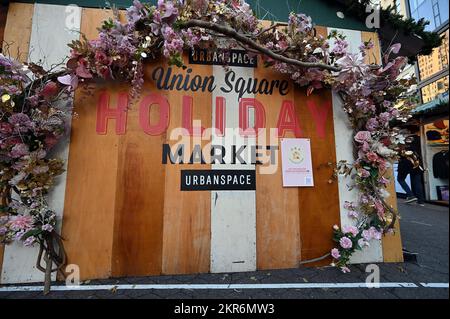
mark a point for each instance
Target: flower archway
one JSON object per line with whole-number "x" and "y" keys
{"x": 35, "y": 103}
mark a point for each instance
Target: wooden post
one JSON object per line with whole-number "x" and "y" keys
{"x": 48, "y": 273}
{"x": 3, "y": 15}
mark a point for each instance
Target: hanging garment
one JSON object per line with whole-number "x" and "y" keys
{"x": 440, "y": 165}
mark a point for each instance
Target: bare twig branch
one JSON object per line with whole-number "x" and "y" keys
{"x": 274, "y": 26}
{"x": 253, "y": 45}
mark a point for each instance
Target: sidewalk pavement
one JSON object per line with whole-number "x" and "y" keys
{"x": 424, "y": 231}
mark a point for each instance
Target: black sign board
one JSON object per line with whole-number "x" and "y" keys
{"x": 218, "y": 179}
{"x": 223, "y": 57}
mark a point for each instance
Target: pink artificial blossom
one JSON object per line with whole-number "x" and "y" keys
{"x": 379, "y": 208}
{"x": 21, "y": 122}
{"x": 29, "y": 241}
{"x": 383, "y": 165}
{"x": 173, "y": 43}
{"x": 363, "y": 243}
{"x": 393, "y": 68}
{"x": 363, "y": 136}
{"x": 47, "y": 227}
{"x": 366, "y": 46}
{"x": 169, "y": 9}
{"x": 387, "y": 104}
{"x": 82, "y": 70}
{"x": 371, "y": 233}
{"x": 367, "y": 235}
{"x": 19, "y": 150}
{"x": 395, "y": 48}
{"x": 20, "y": 222}
{"x": 102, "y": 58}
{"x": 348, "y": 205}
{"x": 363, "y": 173}
{"x": 385, "y": 117}
{"x": 353, "y": 214}
{"x": 365, "y": 147}
{"x": 335, "y": 253}
{"x": 372, "y": 157}
{"x": 372, "y": 124}
{"x": 375, "y": 234}
{"x": 40, "y": 169}
{"x": 50, "y": 90}
{"x": 345, "y": 269}
{"x": 383, "y": 181}
{"x": 350, "y": 229}
{"x": 394, "y": 113}
{"x": 70, "y": 80}
{"x": 352, "y": 67}
{"x": 5, "y": 128}
{"x": 19, "y": 234}
{"x": 340, "y": 47}
{"x": 50, "y": 141}
{"x": 346, "y": 243}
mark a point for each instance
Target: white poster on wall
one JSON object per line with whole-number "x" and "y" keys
{"x": 296, "y": 162}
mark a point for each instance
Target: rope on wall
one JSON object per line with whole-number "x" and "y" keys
{"x": 308, "y": 261}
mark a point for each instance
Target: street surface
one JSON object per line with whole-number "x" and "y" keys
{"x": 425, "y": 230}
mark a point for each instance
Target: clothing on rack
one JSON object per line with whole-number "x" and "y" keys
{"x": 441, "y": 164}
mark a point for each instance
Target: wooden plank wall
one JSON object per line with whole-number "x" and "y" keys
{"x": 91, "y": 198}
{"x": 233, "y": 213}
{"x": 137, "y": 202}
{"x": 187, "y": 226}
{"x": 138, "y": 217}
{"x": 18, "y": 30}
{"x": 124, "y": 213}
{"x": 3, "y": 15}
{"x": 317, "y": 214}
{"x": 392, "y": 243}
{"x": 277, "y": 208}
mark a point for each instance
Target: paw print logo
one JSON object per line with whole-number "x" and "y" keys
{"x": 296, "y": 155}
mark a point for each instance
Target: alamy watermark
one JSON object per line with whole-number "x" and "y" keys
{"x": 373, "y": 19}
{"x": 373, "y": 279}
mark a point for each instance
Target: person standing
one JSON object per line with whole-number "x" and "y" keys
{"x": 409, "y": 164}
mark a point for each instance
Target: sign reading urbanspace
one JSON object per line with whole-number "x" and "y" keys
{"x": 218, "y": 179}
{"x": 223, "y": 57}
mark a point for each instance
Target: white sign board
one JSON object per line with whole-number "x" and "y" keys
{"x": 296, "y": 162}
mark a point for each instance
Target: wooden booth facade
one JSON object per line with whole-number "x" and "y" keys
{"x": 123, "y": 209}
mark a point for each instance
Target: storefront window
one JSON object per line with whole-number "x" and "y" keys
{"x": 432, "y": 90}
{"x": 435, "y": 11}
{"x": 398, "y": 8}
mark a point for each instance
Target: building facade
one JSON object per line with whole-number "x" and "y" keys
{"x": 432, "y": 74}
